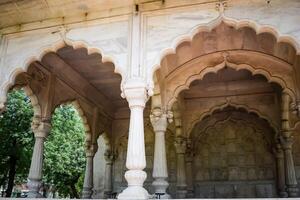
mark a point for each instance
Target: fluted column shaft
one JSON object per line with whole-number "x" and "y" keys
{"x": 35, "y": 173}
{"x": 109, "y": 157}
{"x": 180, "y": 146}
{"x": 160, "y": 170}
{"x": 290, "y": 175}
{"x": 88, "y": 176}
{"x": 286, "y": 140}
{"x": 280, "y": 171}
{"x": 135, "y": 93}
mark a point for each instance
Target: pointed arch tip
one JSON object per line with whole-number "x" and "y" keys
{"x": 208, "y": 27}
{"x": 53, "y": 48}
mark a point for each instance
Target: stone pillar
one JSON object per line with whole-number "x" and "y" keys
{"x": 290, "y": 175}
{"x": 280, "y": 171}
{"x": 135, "y": 93}
{"x": 160, "y": 170}
{"x": 109, "y": 158}
{"x": 180, "y": 147}
{"x": 35, "y": 173}
{"x": 286, "y": 140}
{"x": 87, "y": 190}
{"x": 189, "y": 170}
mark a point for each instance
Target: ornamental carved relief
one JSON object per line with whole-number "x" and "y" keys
{"x": 233, "y": 151}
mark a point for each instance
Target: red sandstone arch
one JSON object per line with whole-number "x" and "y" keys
{"x": 210, "y": 111}
{"x": 261, "y": 51}
{"x": 210, "y": 123}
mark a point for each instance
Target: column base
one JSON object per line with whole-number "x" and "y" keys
{"x": 181, "y": 194}
{"x": 87, "y": 193}
{"x": 33, "y": 194}
{"x": 292, "y": 191}
{"x": 134, "y": 192}
{"x": 283, "y": 194}
{"x": 98, "y": 194}
{"x": 34, "y": 188}
{"x": 166, "y": 196}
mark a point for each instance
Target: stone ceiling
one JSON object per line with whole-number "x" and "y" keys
{"x": 19, "y": 12}
{"x": 14, "y": 12}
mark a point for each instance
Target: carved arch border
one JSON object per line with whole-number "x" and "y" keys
{"x": 9, "y": 82}
{"x": 208, "y": 27}
{"x": 252, "y": 125}
{"x": 226, "y": 63}
{"x": 37, "y": 112}
{"x": 209, "y": 112}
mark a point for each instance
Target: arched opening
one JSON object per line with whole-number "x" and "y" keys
{"x": 79, "y": 77}
{"x": 233, "y": 156}
{"x": 218, "y": 69}
{"x": 64, "y": 154}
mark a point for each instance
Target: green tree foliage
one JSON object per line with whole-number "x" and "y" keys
{"x": 64, "y": 158}
{"x": 16, "y": 139}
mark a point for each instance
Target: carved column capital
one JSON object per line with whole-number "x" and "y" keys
{"x": 180, "y": 145}
{"x": 286, "y": 142}
{"x": 278, "y": 150}
{"x": 135, "y": 92}
{"x": 90, "y": 149}
{"x": 41, "y": 129}
{"x": 158, "y": 120}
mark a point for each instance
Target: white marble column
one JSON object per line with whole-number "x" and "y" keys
{"x": 135, "y": 93}
{"x": 87, "y": 190}
{"x": 109, "y": 158}
{"x": 35, "y": 173}
{"x": 180, "y": 147}
{"x": 160, "y": 171}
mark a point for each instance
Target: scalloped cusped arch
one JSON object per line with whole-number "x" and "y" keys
{"x": 9, "y": 79}
{"x": 236, "y": 113}
{"x": 242, "y": 47}
{"x": 245, "y": 108}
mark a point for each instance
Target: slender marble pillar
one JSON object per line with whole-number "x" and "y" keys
{"x": 180, "y": 147}
{"x": 160, "y": 170}
{"x": 88, "y": 177}
{"x": 109, "y": 158}
{"x": 189, "y": 170}
{"x": 135, "y": 93}
{"x": 280, "y": 171}
{"x": 35, "y": 173}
